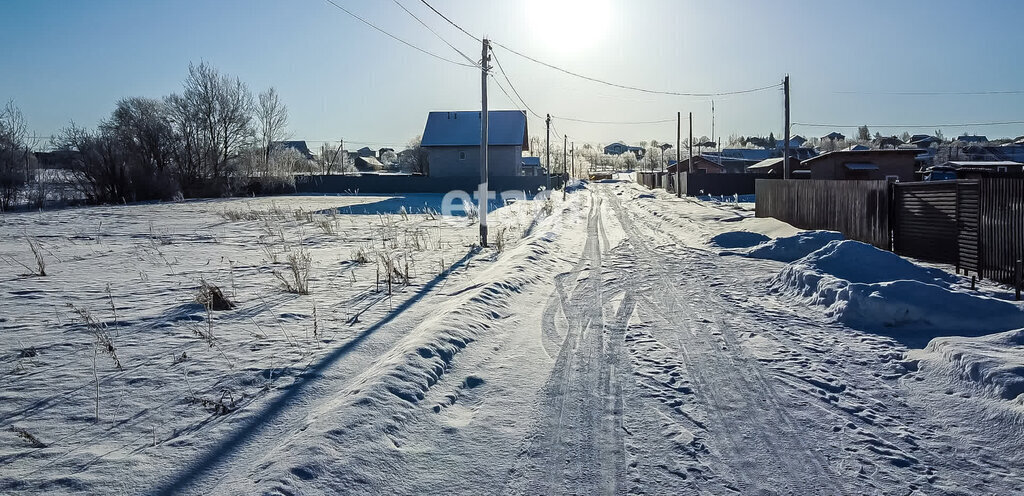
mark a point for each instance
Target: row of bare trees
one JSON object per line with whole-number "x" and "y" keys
{"x": 211, "y": 139}
{"x": 15, "y": 155}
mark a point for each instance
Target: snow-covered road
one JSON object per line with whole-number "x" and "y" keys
{"x": 608, "y": 351}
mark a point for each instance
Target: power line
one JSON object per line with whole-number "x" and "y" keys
{"x": 450, "y": 21}
{"x": 406, "y": 43}
{"x": 624, "y": 123}
{"x": 932, "y": 93}
{"x": 635, "y": 88}
{"x": 1003, "y": 123}
{"x": 509, "y": 81}
{"x": 596, "y": 80}
{"x": 471, "y": 61}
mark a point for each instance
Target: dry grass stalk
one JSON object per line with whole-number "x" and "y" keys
{"x": 99, "y": 330}
{"x": 296, "y": 279}
{"x": 27, "y": 436}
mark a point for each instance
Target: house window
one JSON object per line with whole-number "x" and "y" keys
{"x": 462, "y": 155}
{"x": 1001, "y": 168}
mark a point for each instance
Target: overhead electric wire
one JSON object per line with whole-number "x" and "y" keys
{"x": 596, "y": 80}
{"x": 636, "y": 88}
{"x": 407, "y": 11}
{"x": 450, "y": 21}
{"x": 509, "y": 81}
{"x": 406, "y": 43}
{"x": 622, "y": 123}
{"x": 932, "y": 93}
{"x": 968, "y": 124}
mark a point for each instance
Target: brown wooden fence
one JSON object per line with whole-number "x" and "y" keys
{"x": 858, "y": 209}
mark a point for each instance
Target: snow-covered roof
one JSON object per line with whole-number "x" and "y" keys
{"x": 505, "y": 127}
{"x": 983, "y": 163}
{"x": 766, "y": 163}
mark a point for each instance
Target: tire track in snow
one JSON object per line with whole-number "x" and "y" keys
{"x": 751, "y": 431}
{"x": 578, "y": 447}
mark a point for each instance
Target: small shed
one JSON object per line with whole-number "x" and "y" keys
{"x": 865, "y": 164}
{"x": 532, "y": 167}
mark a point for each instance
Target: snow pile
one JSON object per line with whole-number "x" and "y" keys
{"x": 865, "y": 287}
{"x": 994, "y": 363}
{"x": 789, "y": 248}
{"x": 739, "y": 239}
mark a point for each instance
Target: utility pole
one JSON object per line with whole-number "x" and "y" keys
{"x": 785, "y": 153}
{"x": 573, "y": 156}
{"x": 690, "y": 144}
{"x": 679, "y": 146}
{"x": 565, "y": 148}
{"x": 547, "y": 144}
{"x": 482, "y": 200}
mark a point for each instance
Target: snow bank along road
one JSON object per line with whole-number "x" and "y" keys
{"x": 607, "y": 350}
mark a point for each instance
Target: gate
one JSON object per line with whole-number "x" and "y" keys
{"x": 925, "y": 221}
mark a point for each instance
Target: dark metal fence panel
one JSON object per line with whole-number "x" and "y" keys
{"x": 1001, "y": 227}
{"x": 925, "y": 221}
{"x": 858, "y": 209}
{"x": 648, "y": 179}
{"x": 968, "y": 207}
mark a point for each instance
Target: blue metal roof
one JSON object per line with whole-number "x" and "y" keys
{"x": 531, "y": 161}
{"x": 505, "y": 127}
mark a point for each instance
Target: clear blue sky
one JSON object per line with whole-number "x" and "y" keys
{"x": 65, "y": 60}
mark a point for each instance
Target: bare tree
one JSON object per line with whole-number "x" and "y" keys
{"x": 222, "y": 109}
{"x": 271, "y": 120}
{"x": 15, "y": 154}
{"x": 99, "y": 169}
{"x": 414, "y": 158}
{"x": 143, "y": 127}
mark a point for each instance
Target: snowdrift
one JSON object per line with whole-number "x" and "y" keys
{"x": 994, "y": 364}
{"x": 868, "y": 288}
{"x": 786, "y": 249}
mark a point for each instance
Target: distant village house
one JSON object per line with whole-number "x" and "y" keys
{"x": 452, "y": 143}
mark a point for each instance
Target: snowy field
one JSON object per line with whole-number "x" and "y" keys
{"x": 619, "y": 341}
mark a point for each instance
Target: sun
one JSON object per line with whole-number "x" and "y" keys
{"x": 570, "y": 26}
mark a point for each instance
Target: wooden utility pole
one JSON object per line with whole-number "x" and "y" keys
{"x": 482, "y": 200}
{"x": 547, "y": 145}
{"x": 572, "y": 154}
{"x": 679, "y": 146}
{"x": 785, "y": 147}
{"x": 565, "y": 149}
{"x": 690, "y": 144}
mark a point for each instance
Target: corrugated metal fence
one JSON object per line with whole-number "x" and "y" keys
{"x": 1000, "y": 227}
{"x": 976, "y": 225}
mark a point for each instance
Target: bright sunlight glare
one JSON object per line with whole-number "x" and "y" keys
{"x": 570, "y": 26}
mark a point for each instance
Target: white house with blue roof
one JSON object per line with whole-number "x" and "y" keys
{"x": 452, "y": 143}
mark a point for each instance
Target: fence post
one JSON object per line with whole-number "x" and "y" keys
{"x": 1016, "y": 279}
